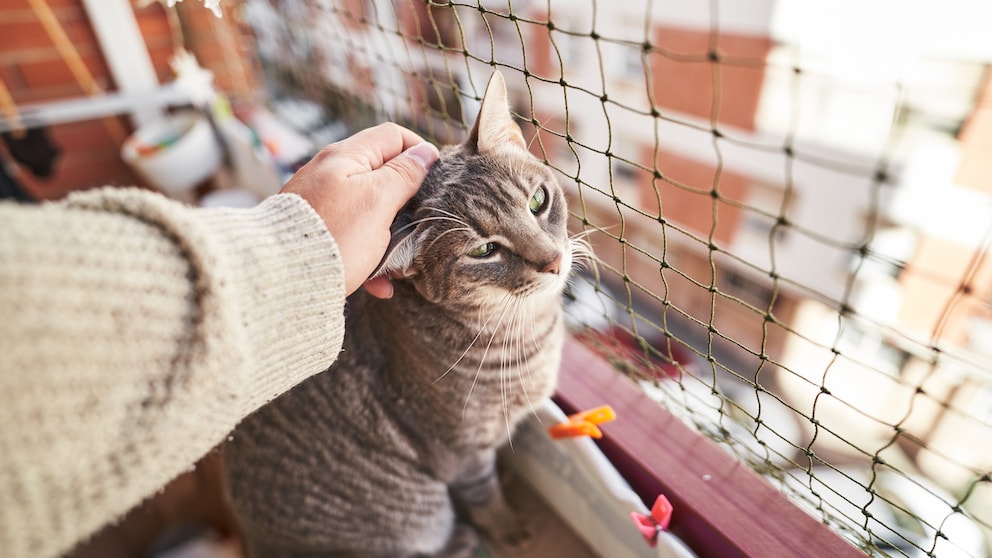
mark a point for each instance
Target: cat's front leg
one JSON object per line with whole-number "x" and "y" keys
{"x": 479, "y": 495}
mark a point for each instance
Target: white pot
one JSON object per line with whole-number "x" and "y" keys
{"x": 189, "y": 153}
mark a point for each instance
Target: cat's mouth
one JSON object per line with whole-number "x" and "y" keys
{"x": 546, "y": 283}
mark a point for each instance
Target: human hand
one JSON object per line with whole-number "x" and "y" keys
{"x": 357, "y": 186}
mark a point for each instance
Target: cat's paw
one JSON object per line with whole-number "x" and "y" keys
{"x": 514, "y": 536}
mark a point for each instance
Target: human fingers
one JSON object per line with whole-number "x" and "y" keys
{"x": 371, "y": 148}
{"x": 385, "y": 135}
{"x": 400, "y": 177}
{"x": 379, "y": 287}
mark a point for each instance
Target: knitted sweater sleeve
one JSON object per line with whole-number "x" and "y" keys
{"x": 135, "y": 334}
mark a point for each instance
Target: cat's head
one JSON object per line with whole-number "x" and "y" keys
{"x": 490, "y": 219}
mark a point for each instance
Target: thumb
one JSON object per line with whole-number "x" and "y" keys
{"x": 401, "y": 176}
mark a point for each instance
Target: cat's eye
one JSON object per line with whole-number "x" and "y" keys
{"x": 538, "y": 200}
{"x": 482, "y": 250}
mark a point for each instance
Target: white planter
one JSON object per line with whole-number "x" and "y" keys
{"x": 189, "y": 153}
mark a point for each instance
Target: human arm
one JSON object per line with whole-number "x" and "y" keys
{"x": 137, "y": 332}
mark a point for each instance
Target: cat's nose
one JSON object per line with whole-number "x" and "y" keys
{"x": 554, "y": 266}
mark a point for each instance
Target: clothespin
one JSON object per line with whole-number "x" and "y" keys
{"x": 651, "y": 525}
{"x": 583, "y": 424}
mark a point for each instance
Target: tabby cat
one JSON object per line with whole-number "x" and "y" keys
{"x": 391, "y": 452}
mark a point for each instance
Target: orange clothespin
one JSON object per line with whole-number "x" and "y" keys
{"x": 583, "y": 424}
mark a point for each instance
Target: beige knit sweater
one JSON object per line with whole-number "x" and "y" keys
{"x": 135, "y": 333}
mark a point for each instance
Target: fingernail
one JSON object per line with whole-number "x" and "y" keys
{"x": 423, "y": 153}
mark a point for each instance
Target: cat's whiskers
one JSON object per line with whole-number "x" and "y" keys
{"x": 515, "y": 357}
{"x": 445, "y": 216}
{"x": 472, "y": 343}
{"x": 582, "y": 255}
{"x": 506, "y": 361}
{"x": 448, "y": 214}
{"x": 438, "y": 237}
{"x": 485, "y": 353}
{"x": 416, "y": 222}
{"x": 581, "y": 235}
{"x": 523, "y": 360}
{"x": 537, "y": 132}
{"x": 581, "y": 250}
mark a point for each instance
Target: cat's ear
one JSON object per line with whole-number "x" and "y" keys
{"x": 494, "y": 127}
{"x": 403, "y": 245}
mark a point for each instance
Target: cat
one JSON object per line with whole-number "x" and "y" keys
{"x": 391, "y": 452}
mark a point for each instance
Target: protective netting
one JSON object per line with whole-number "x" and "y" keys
{"x": 790, "y": 206}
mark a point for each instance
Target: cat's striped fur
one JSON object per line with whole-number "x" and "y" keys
{"x": 373, "y": 457}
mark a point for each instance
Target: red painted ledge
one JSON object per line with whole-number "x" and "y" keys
{"x": 722, "y": 508}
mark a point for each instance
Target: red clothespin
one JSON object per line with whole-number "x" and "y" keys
{"x": 651, "y": 525}
{"x": 583, "y": 424}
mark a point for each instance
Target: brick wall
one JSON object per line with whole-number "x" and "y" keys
{"x": 975, "y": 167}
{"x": 224, "y": 46}
{"x": 34, "y": 71}
{"x": 944, "y": 287}
{"x": 937, "y": 300}
{"x": 737, "y": 70}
